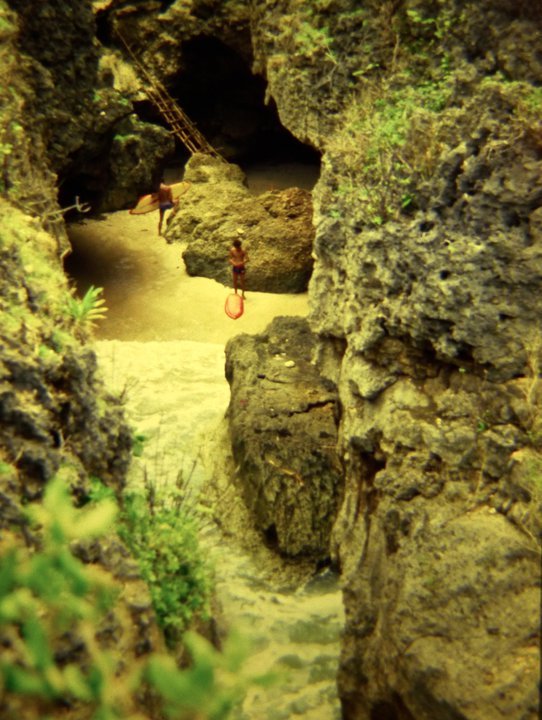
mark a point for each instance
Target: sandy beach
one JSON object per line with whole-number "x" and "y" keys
{"x": 148, "y": 292}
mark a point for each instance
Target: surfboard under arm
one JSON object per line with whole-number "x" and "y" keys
{"x": 149, "y": 203}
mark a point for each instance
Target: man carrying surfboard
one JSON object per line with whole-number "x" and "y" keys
{"x": 165, "y": 202}
{"x": 238, "y": 258}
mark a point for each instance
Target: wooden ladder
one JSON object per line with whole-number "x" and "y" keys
{"x": 181, "y": 125}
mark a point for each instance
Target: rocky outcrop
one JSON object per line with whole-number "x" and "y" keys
{"x": 56, "y": 420}
{"x": 82, "y": 128}
{"x": 51, "y": 413}
{"x": 425, "y": 298}
{"x": 437, "y": 540}
{"x": 207, "y": 40}
{"x": 135, "y": 149}
{"x": 275, "y": 228}
{"x": 282, "y": 419}
{"x": 460, "y": 275}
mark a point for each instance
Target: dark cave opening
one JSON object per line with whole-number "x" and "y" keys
{"x": 218, "y": 91}
{"x": 216, "y": 88}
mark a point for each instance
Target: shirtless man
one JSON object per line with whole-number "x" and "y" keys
{"x": 238, "y": 258}
{"x": 165, "y": 200}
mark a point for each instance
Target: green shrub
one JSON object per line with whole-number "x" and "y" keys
{"x": 162, "y": 532}
{"x": 46, "y": 595}
{"x": 386, "y": 142}
{"x": 50, "y": 600}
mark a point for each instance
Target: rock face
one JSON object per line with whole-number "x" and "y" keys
{"x": 437, "y": 540}
{"x": 426, "y": 300}
{"x": 275, "y": 228}
{"x": 91, "y": 138}
{"x": 57, "y": 420}
{"x": 55, "y": 417}
{"x": 461, "y": 275}
{"x": 50, "y": 403}
{"x": 282, "y": 418}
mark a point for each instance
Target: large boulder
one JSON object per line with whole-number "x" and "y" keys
{"x": 275, "y": 228}
{"x": 282, "y": 417}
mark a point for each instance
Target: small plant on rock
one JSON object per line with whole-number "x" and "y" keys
{"x": 51, "y": 608}
{"x": 162, "y": 532}
{"x": 86, "y": 311}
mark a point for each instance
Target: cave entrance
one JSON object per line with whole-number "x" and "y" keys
{"x": 226, "y": 101}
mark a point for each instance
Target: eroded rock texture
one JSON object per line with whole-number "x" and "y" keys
{"x": 282, "y": 419}
{"x": 88, "y": 130}
{"x": 55, "y": 417}
{"x": 437, "y": 539}
{"x": 57, "y": 420}
{"x": 425, "y": 298}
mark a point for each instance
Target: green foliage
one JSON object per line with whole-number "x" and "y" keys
{"x": 6, "y": 27}
{"x": 43, "y": 596}
{"x": 51, "y": 607}
{"x": 138, "y": 443}
{"x": 123, "y": 139}
{"x": 383, "y": 143}
{"x": 99, "y": 491}
{"x": 194, "y": 691}
{"x": 306, "y": 33}
{"x": 60, "y": 340}
{"x": 417, "y": 18}
{"x": 432, "y": 30}
{"x": 6, "y": 469}
{"x": 311, "y": 40}
{"x": 162, "y": 532}
{"x": 86, "y": 311}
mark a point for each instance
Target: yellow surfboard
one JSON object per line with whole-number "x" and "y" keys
{"x": 148, "y": 203}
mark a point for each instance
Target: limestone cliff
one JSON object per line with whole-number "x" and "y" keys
{"x": 82, "y": 127}
{"x": 425, "y": 299}
{"x": 56, "y": 418}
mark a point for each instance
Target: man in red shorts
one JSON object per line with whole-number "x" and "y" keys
{"x": 238, "y": 257}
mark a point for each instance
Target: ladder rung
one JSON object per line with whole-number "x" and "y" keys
{"x": 181, "y": 125}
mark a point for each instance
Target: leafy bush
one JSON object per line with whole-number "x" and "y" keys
{"x": 51, "y": 602}
{"x": 46, "y": 595}
{"x": 161, "y": 531}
